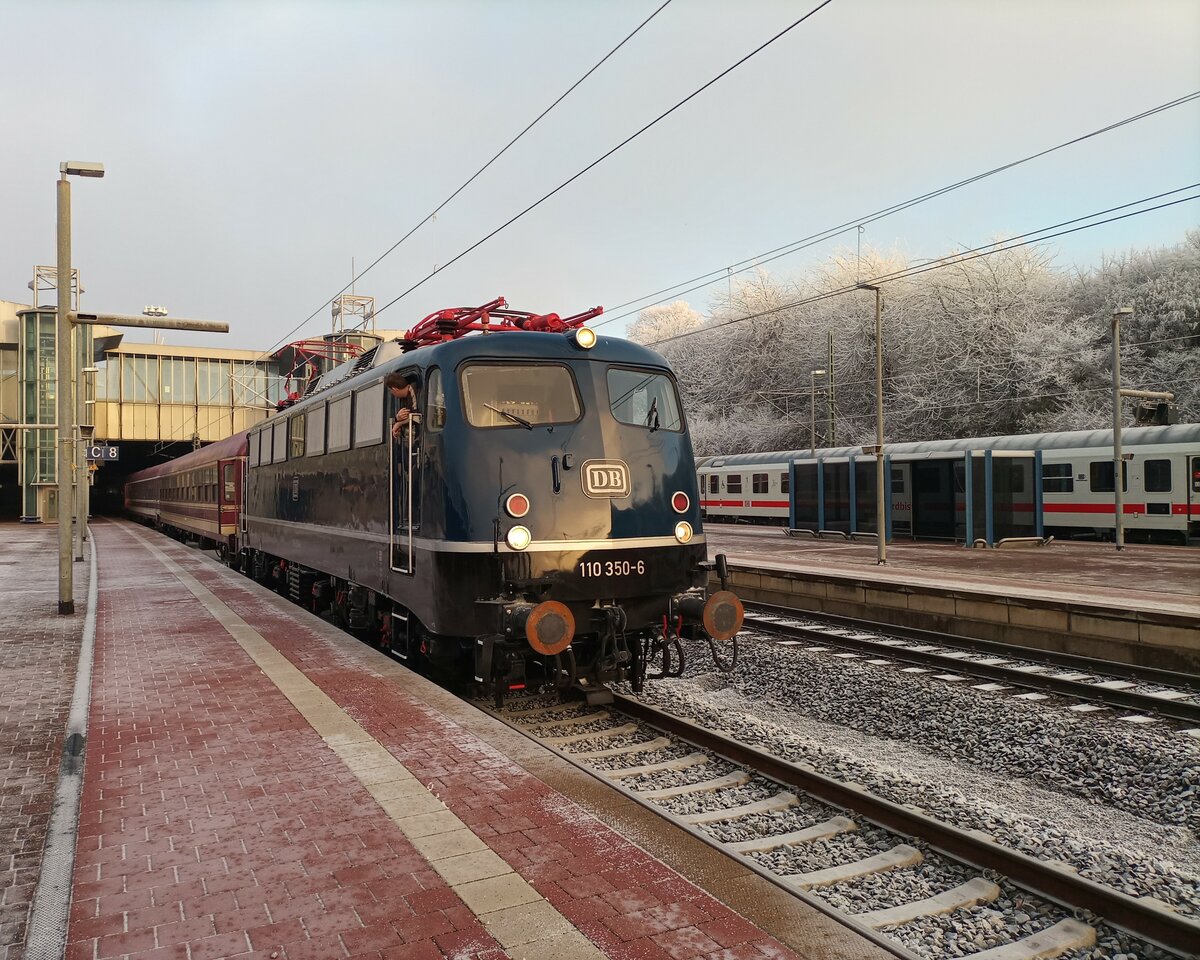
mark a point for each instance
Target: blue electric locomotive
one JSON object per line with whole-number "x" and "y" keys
{"x": 531, "y": 518}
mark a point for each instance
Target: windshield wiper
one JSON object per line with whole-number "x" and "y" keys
{"x": 652, "y": 416}
{"x": 521, "y": 421}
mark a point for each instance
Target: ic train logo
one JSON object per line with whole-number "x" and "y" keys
{"x": 605, "y": 479}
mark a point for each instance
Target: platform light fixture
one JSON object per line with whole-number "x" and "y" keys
{"x": 81, "y": 168}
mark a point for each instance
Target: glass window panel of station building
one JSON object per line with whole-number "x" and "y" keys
{"x": 108, "y": 381}
{"x": 140, "y": 375}
{"x": 249, "y": 385}
{"x": 275, "y": 388}
{"x": 213, "y": 382}
{"x": 178, "y": 380}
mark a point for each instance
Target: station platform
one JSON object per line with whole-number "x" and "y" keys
{"x": 258, "y": 783}
{"x": 1140, "y": 605}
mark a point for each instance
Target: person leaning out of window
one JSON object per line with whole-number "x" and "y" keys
{"x": 405, "y": 392}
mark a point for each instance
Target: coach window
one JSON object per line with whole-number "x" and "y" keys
{"x": 1102, "y": 476}
{"x": 252, "y": 449}
{"x": 435, "y": 404}
{"x": 296, "y": 436}
{"x": 714, "y": 483}
{"x": 368, "y": 415}
{"x": 1158, "y": 476}
{"x": 279, "y": 441}
{"x": 337, "y": 429}
{"x": 230, "y": 486}
{"x": 643, "y": 398}
{"x": 1058, "y": 478}
{"x": 518, "y": 395}
{"x": 759, "y": 483}
{"x": 785, "y": 483}
{"x": 315, "y": 421}
{"x": 733, "y": 483}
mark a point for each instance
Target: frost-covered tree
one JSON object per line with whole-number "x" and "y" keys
{"x": 1162, "y": 338}
{"x": 989, "y": 345}
{"x": 661, "y": 323}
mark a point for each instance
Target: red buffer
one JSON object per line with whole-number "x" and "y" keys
{"x": 492, "y": 317}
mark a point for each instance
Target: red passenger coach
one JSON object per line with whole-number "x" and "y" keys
{"x": 199, "y": 493}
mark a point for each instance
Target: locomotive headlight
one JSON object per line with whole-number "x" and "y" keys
{"x": 585, "y": 337}
{"x": 519, "y": 537}
{"x": 683, "y": 531}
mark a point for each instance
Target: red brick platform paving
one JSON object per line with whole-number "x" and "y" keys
{"x": 39, "y": 651}
{"x": 224, "y": 816}
{"x": 216, "y": 822}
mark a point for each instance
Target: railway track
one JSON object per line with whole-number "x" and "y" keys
{"x": 769, "y": 812}
{"x": 1106, "y": 683}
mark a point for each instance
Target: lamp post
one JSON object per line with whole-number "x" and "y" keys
{"x": 812, "y": 422}
{"x": 1118, "y": 453}
{"x": 880, "y": 515}
{"x": 85, "y": 419}
{"x": 64, "y": 379}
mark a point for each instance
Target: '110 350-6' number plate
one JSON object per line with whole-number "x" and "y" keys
{"x": 612, "y": 568}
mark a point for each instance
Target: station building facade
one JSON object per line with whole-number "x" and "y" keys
{"x": 154, "y": 401}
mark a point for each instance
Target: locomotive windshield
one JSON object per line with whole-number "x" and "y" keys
{"x": 644, "y": 398}
{"x": 519, "y": 394}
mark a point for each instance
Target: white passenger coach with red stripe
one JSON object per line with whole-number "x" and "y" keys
{"x": 1161, "y": 483}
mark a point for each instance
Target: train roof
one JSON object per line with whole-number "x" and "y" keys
{"x": 522, "y": 344}
{"x": 1074, "y": 439}
{"x": 503, "y": 345}
{"x": 230, "y": 447}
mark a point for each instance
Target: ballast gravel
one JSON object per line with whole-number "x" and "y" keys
{"x": 1012, "y": 769}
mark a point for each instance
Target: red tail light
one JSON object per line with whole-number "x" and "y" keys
{"x": 517, "y": 505}
{"x": 680, "y": 502}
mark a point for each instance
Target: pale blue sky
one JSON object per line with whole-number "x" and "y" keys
{"x": 253, "y": 148}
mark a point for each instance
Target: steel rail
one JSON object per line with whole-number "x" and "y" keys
{"x": 848, "y": 920}
{"x": 1184, "y": 711}
{"x": 1144, "y": 919}
{"x": 1126, "y": 671}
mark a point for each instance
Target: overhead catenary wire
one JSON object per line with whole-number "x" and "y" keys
{"x": 1011, "y": 243}
{"x": 741, "y": 266}
{"x": 604, "y": 156}
{"x": 466, "y": 183}
{"x": 755, "y": 261}
{"x": 471, "y": 179}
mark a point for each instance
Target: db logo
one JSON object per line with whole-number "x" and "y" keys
{"x": 605, "y": 478}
